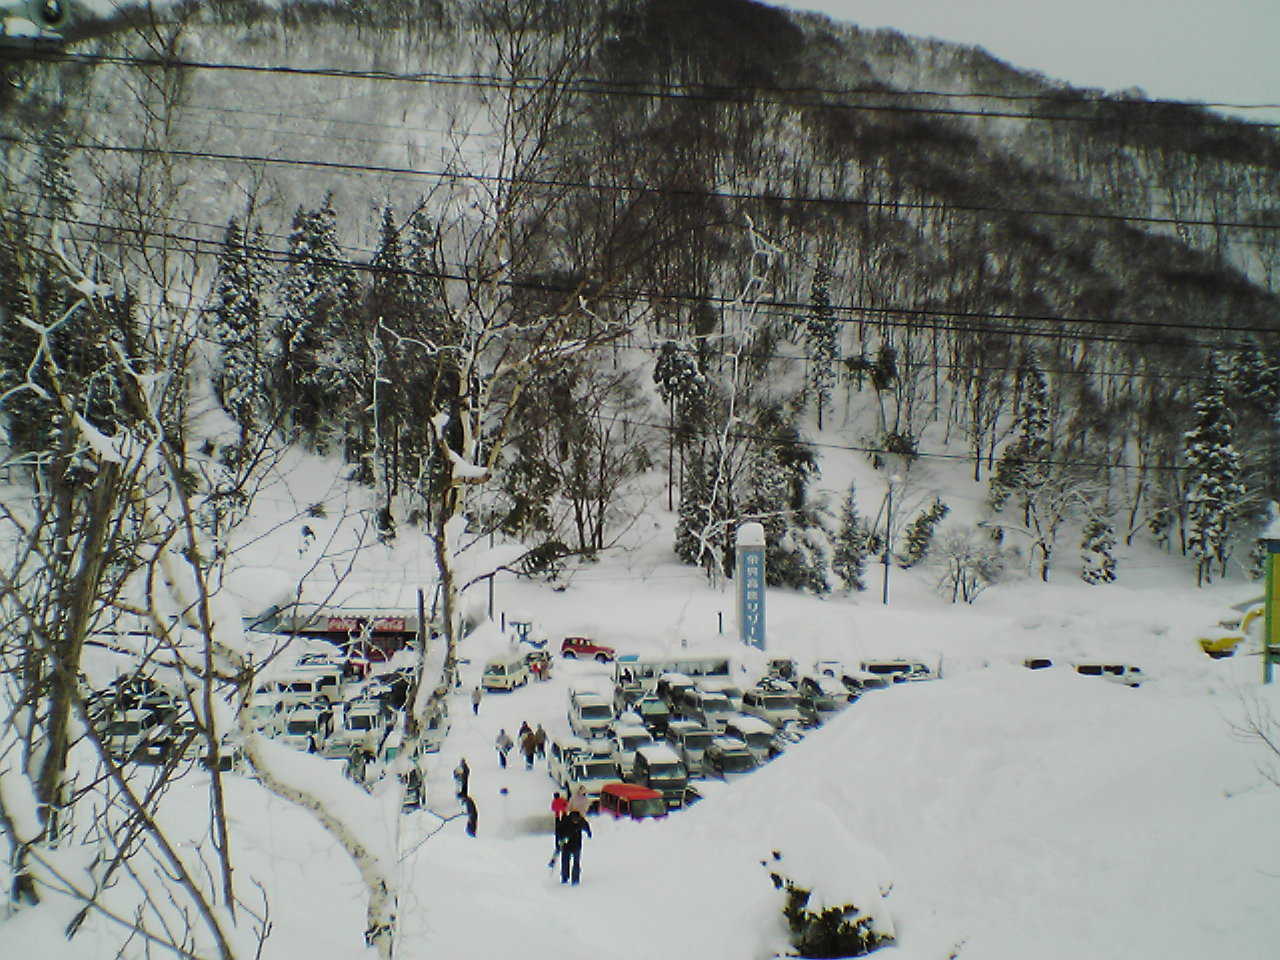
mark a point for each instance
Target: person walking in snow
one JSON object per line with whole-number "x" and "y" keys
{"x": 559, "y": 807}
{"x": 528, "y": 746}
{"x": 569, "y": 831}
{"x": 462, "y": 778}
{"x": 504, "y": 743}
{"x": 476, "y": 695}
{"x": 473, "y": 815}
{"x": 540, "y": 741}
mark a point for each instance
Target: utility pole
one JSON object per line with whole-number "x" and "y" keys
{"x": 888, "y": 536}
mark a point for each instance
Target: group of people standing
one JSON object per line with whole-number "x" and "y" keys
{"x": 533, "y": 743}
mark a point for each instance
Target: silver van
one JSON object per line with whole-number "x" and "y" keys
{"x": 689, "y": 740}
{"x": 758, "y": 736}
{"x": 776, "y": 706}
{"x": 711, "y": 709}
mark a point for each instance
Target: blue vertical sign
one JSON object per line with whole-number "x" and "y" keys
{"x": 750, "y": 574}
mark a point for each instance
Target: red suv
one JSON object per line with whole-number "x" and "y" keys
{"x": 574, "y": 647}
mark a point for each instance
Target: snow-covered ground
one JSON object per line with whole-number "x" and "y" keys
{"x": 998, "y": 812}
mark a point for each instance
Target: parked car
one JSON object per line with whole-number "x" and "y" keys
{"x": 829, "y": 668}
{"x": 1037, "y": 663}
{"x": 506, "y": 671}
{"x": 820, "y": 698}
{"x": 712, "y": 710}
{"x": 359, "y": 725}
{"x": 305, "y": 689}
{"x": 538, "y": 660}
{"x": 631, "y": 800}
{"x": 572, "y": 648}
{"x": 660, "y": 768}
{"x": 1115, "y": 672}
{"x": 731, "y": 691}
{"x": 674, "y": 689}
{"x": 654, "y": 713}
{"x": 307, "y": 728}
{"x": 859, "y": 682}
{"x": 784, "y": 668}
{"x": 129, "y": 731}
{"x": 590, "y": 714}
{"x": 727, "y": 758}
{"x": 899, "y": 670}
{"x": 756, "y": 735}
{"x": 777, "y": 707}
{"x": 588, "y": 770}
{"x": 626, "y": 740}
{"x": 689, "y": 740}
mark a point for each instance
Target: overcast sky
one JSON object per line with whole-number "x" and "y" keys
{"x": 1220, "y": 51}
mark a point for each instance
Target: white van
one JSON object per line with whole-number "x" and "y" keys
{"x": 505, "y": 671}
{"x": 777, "y": 707}
{"x": 758, "y": 735}
{"x": 562, "y": 750}
{"x": 307, "y": 689}
{"x": 626, "y": 740}
{"x": 590, "y": 715}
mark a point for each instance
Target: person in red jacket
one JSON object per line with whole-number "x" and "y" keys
{"x": 559, "y": 805}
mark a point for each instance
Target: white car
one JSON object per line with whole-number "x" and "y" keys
{"x": 626, "y": 740}
{"x": 712, "y": 710}
{"x": 129, "y": 731}
{"x": 778, "y": 707}
{"x": 590, "y": 771}
{"x": 306, "y": 728}
{"x": 755, "y": 734}
{"x": 690, "y": 740}
{"x": 590, "y": 715}
{"x": 361, "y": 725}
{"x": 1120, "y": 673}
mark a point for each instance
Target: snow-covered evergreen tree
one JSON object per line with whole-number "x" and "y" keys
{"x": 316, "y": 291}
{"x": 1098, "y": 544}
{"x": 682, "y": 385}
{"x": 919, "y": 534}
{"x": 696, "y": 541}
{"x": 235, "y": 315}
{"x": 1215, "y": 492}
{"x": 852, "y": 545}
{"x": 1022, "y": 460}
{"x": 796, "y": 545}
{"x": 820, "y": 332}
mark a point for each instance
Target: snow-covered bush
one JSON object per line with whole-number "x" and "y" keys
{"x": 836, "y": 931}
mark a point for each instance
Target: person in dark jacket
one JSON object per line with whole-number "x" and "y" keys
{"x": 462, "y": 778}
{"x": 529, "y": 747}
{"x": 569, "y": 831}
{"x": 472, "y": 814}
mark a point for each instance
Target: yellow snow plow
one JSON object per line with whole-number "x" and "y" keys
{"x": 1222, "y": 639}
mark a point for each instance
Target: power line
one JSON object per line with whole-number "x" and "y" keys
{"x": 710, "y": 92}
{"x": 912, "y": 318}
{"x": 783, "y": 172}
{"x": 637, "y": 189}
